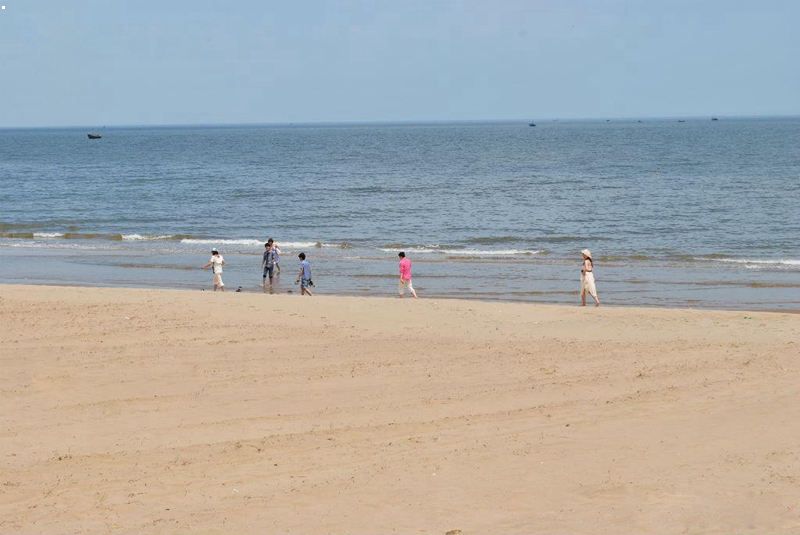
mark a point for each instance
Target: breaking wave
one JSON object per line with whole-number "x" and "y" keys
{"x": 786, "y": 263}
{"x": 462, "y": 252}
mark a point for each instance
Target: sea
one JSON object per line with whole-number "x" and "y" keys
{"x": 691, "y": 213}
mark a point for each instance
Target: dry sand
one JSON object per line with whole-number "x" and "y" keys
{"x": 143, "y": 411}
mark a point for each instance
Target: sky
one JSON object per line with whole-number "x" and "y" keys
{"x": 126, "y": 62}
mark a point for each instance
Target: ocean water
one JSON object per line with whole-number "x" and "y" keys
{"x": 697, "y": 213}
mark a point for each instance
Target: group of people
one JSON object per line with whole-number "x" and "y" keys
{"x": 270, "y": 265}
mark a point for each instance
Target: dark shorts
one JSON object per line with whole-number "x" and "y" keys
{"x": 268, "y": 271}
{"x": 305, "y": 283}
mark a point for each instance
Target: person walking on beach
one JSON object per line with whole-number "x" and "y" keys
{"x": 405, "y": 276}
{"x": 268, "y": 263}
{"x": 215, "y": 263}
{"x": 587, "y": 279}
{"x": 304, "y": 275}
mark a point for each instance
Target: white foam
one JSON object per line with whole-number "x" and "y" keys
{"x": 250, "y": 242}
{"x": 198, "y": 241}
{"x": 63, "y": 244}
{"x": 417, "y": 250}
{"x": 139, "y": 237}
{"x": 465, "y": 252}
{"x": 760, "y": 263}
{"x": 47, "y": 234}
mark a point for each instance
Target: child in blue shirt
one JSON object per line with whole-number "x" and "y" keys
{"x": 304, "y": 275}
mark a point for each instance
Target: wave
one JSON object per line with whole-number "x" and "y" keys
{"x": 91, "y": 236}
{"x": 462, "y": 252}
{"x": 182, "y": 238}
{"x": 502, "y": 252}
{"x": 786, "y": 263}
{"x": 622, "y": 258}
{"x": 492, "y": 240}
{"x": 48, "y": 235}
{"x": 53, "y": 244}
{"x": 205, "y": 241}
{"x": 17, "y": 235}
{"x": 140, "y": 237}
{"x": 260, "y": 243}
{"x": 397, "y": 247}
{"x": 303, "y": 244}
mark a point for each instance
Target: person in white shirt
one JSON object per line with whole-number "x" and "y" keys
{"x": 277, "y": 256}
{"x": 215, "y": 263}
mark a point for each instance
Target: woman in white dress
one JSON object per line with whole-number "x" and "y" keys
{"x": 215, "y": 263}
{"x": 587, "y": 279}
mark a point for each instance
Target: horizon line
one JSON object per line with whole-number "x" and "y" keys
{"x": 409, "y": 122}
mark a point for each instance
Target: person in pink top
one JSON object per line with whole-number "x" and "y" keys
{"x": 405, "y": 276}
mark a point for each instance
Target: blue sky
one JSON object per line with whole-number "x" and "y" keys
{"x": 105, "y": 62}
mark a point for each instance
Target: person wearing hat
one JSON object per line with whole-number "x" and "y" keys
{"x": 587, "y": 279}
{"x": 215, "y": 263}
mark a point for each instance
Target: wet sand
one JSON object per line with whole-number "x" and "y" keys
{"x": 154, "y": 411}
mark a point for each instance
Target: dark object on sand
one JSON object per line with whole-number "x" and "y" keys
{"x": 94, "y": 136}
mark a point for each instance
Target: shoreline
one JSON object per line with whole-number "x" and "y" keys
{"x": 391, "y": 296}
{"x": 708, "y": 285}
{"x": 144, "y": 410}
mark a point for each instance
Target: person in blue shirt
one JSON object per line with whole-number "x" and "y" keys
{"x": 304, "y": 275}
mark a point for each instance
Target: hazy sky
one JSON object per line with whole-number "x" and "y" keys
{"x": 104, "y": 62}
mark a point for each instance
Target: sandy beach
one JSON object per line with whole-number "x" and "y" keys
{"x": 155, "y": 411}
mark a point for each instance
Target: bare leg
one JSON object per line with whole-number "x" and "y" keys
{"x": 413, "y": 291}
{"x": 583, "y": 297}
{"x": 305, "y": 290}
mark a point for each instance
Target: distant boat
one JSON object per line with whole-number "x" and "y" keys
{"x": 531, "y": 124}
{"x": 714, "y": 119}
{"x": 681, "y": 121}
{"x": 94, "y": 136}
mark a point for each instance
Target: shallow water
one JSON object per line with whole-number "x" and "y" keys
{"x": 699, "y": 213}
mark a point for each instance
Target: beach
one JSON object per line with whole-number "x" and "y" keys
{"x": 164, "y": 411}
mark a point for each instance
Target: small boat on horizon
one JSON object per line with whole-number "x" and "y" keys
{"x": 94, "y": 136}
{"x": 714, "y": 119}
{"x": 531, "y": 124}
